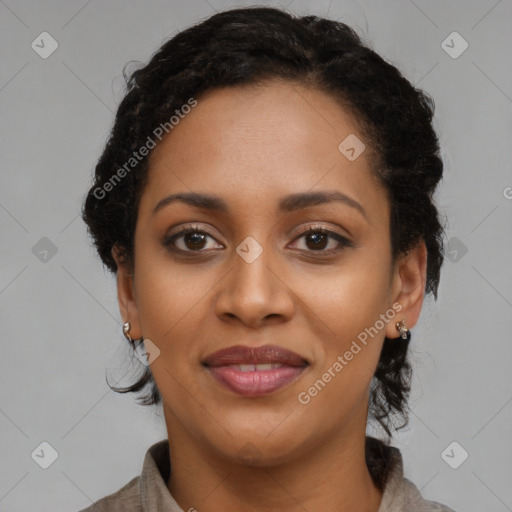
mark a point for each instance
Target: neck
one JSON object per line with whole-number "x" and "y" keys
{"x": 330, "y": 477}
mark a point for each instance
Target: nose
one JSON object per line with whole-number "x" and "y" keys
{"x": 255, "y": 292}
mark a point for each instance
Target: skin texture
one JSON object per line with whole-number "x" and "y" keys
{"x": 251, "y": 145}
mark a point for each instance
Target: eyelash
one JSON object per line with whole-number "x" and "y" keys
{"x": 343, "y": 241}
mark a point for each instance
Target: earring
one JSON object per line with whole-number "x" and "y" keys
{"x": 126, "y": 331}
{"x": 405, "y": 333}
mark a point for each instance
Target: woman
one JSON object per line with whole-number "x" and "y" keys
{"x": 265, "y": 199}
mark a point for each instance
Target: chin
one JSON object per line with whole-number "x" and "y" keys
{"x": 260, "y": 447}
{"x": 258, "y": 455}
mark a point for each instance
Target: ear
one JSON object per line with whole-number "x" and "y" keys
{"x": 126, "y": 294}
{"x": 408, "y": 287}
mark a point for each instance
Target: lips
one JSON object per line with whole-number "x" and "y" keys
{"x": 255, "y": 371}
{"x": 239, "y": 354}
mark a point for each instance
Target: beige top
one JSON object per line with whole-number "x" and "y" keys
{"x": 148, "y": 492}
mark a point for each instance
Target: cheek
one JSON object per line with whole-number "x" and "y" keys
{"x": 350, "y": 304}
{"x": 349, "y": 298}
{"x": 169, "y": 299}
{"x": 337, "y": 388}
{"x": 172, "y": 311}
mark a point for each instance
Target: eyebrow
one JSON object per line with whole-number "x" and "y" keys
{"x": 288, "y": 203}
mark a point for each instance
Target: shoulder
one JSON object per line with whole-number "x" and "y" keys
{"x": 399, "y": 493}
{"x": 126, "y": 499}
{"x": 414, "y": 501}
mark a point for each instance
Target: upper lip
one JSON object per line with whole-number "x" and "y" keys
{"x": 240, "y": 354}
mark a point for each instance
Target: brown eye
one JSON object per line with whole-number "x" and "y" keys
{"x": 194, "y": 239}
{"x": 189, "y": 239}
{"x": 317, "y": 239}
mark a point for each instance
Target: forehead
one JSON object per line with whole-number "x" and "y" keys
{"x": 262, "y": 141}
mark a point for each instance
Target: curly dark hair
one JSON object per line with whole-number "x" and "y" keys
{"x": 248, "y": 46}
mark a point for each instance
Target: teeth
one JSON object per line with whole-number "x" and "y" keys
{"x": 268, "y": 366}
{"x": 256, "y": 367}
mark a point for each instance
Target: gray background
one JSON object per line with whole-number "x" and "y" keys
{"x": 60, "y": 323}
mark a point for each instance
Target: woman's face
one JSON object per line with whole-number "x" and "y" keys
{"x": 248, "y": 275}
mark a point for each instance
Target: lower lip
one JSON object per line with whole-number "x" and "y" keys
{"x": 256, "y": 383}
